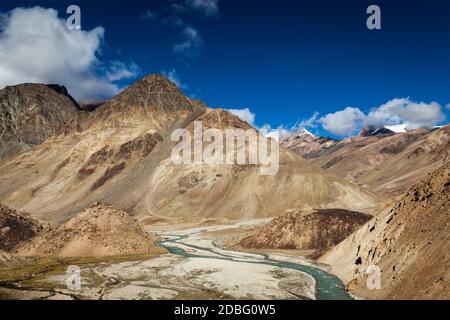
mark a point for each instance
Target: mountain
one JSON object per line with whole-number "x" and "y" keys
{"x": 303, "y": 142}
{"x": 31, "y": 113}
{"x": 119, "y": 153}
{"x": 16, "y": 228}
{"x": 397, "y": 128}
{"x": 100, "y": 230}
{"x": 386, "y": 163}
{"x": 409, "y": 242}
{"x": 305, "y": 229}
{"x": 375, "y": 131}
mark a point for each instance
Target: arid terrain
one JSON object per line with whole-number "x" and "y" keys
{"x": 120, "y": 154}
{"x": 409, "y": 242}
{"x": 94, "y": 186}
{"x": 315, "y": 230}
{"x": 384, "y": 162}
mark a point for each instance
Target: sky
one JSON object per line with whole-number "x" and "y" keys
{"x": 276, "y": 64}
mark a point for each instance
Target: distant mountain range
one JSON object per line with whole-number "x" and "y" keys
{"x": 384, "y": 160}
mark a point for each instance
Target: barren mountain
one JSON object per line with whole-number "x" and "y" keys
{"x": 306, "y": 229}
{"x": 31, "y": 113}
{"x": 303, "y": 142}
{"x": 384, "y": 162}
{"x": 100, "y": 230}
{"x": 16, "y": 228}
{"x": 120, "y": 154}
{"x": 409, "y": 242}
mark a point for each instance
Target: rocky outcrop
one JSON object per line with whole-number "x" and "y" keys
{"x": 16, "y": 228}
{"x": 31, "y": 113}
{"x": 100, "y": 230}
{"x": 409, "y": 242}
{"x": 305, "y": 229}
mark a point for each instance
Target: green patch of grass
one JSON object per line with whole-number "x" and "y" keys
{"x": 31, "y": 271}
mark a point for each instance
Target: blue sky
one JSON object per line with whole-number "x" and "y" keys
{"x": 284, "y": 60}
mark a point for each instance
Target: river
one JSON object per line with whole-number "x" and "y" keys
{"x": 190, "y": 244}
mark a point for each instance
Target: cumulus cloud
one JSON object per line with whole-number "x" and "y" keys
{"x": 37, "y": 46}
{"x": 244, "y": 114}
{"x": 190, "y": 43}
{"x": 343, "y": 122}
{"x": 396, "y": 111}
{"x": 173, "y": 76}
{"x": 206, "y": 7}
{"x": 403, "y": 110}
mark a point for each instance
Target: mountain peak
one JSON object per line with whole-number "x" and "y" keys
{"x": 304, "y": 132}
{"x": 158, "y": 80}
{"x": 375, "y": 131}
{"x": 152, "y": 92}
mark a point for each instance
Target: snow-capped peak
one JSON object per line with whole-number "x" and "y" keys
{"x": 397, "y": 128}
{"x": 303, "y": 132}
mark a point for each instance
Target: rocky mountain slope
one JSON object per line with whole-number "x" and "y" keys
{"x": 304, "y": 143}
{"x": 100, "y": 230}
{"x": 383, "y": 162}
{"x": 409, "y": 242}
{"x": 4, "y": 257}
{"x": 16, "y": 228}
{"x": 120, "y": 154}
{"x": 306, "y": 229}
{"x": 31, "y": 113}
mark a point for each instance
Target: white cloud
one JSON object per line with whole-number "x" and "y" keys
{"x": 447, "y": 106}
{"x": 395, "y": 111}
{"x": 286, "y": 131}
{"x": 306, "y": 123}
{"x": 191, "y": 42}
{"x": 37, "y": 46}
{"x": 281, "y": 131}
{"x": 344, "y": 122}
{"x": 207, "y": 7}
{"x": 173, "y": 76}
{"x": 119, "y": 70}
{"x": 403, "y": 110}
{"x": 244, "y": 114}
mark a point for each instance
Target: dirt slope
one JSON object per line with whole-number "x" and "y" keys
{"x": 311, "y": 229}
{"x": 409, "y": 242}
{"x": 100, "y": 230}
{"x": 16, "y": 228}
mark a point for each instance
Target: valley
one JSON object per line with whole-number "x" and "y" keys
{"x": 96, "y": 189}
{"x": 194, "y": 268}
